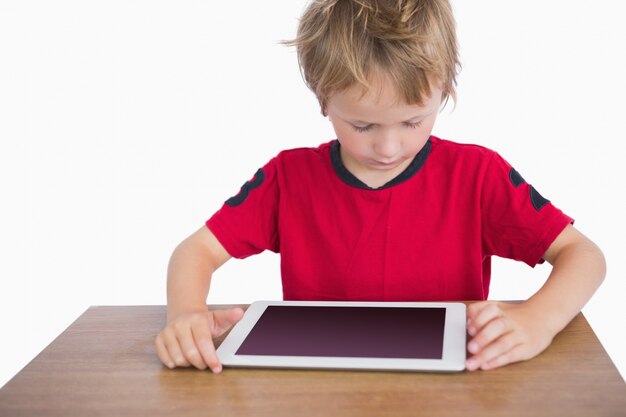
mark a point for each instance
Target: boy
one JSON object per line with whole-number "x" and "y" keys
{"x": 387, "y": 212}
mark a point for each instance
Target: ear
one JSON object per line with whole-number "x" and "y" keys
{"x": 322, "y": 106}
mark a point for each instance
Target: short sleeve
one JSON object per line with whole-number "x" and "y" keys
{"x": 247, "y": 223}
{"x": 517, "y": 221}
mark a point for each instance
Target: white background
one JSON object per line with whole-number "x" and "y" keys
{"x": 125, "y": 124}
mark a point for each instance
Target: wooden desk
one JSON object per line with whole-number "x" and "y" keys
{"x": 105, "y": 364}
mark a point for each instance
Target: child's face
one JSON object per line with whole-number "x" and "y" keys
{"x": 380, "y": 136}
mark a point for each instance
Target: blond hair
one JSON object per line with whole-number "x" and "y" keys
{"x": 341, "y": 43}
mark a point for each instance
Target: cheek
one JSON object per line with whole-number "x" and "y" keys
{"x": 348, "y": 138}
{"x": 423, "y": 132}
{"x": 415, "y": 141}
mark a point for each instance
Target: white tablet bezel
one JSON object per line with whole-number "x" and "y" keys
{"x": 454, "y": 350}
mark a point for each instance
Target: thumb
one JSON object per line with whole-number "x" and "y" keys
{"x": 224, "y": 320}
{"x": 474, "y": 308}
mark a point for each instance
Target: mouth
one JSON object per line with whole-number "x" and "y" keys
{"x": 386, "y": 163}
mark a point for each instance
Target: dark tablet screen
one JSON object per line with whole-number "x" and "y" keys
{"x": 365, "y": 332}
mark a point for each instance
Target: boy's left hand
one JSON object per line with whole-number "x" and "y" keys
{"x": 504, "y": 333}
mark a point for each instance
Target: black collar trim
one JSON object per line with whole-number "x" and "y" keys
{"x": 347, "y": 177}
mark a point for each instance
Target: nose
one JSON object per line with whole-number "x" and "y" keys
{"x": 387, "y": 146}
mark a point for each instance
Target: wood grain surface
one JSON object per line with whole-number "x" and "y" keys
{"x": 105, "y": 364}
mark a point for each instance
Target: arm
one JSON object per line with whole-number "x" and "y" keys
{"x": 506, "y": 333}
{"x": 188, "y": 337}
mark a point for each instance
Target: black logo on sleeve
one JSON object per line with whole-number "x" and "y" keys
{"x": 537, "y": 199}
{"x": 516, "y": 178}
{"x": 255, "y": 182}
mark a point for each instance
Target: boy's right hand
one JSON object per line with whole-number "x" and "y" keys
{"x": 188, "y": 338}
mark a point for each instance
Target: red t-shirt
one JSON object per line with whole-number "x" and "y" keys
{"x": 427, "y": 235}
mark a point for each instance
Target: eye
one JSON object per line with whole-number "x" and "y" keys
{"x": 414, "y": 125}
{"x": 362, "y": 129}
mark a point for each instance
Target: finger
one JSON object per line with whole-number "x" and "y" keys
{"x": 189, "y": 349}
{"x": 224, "y": 320}
{"x": 515, "y": 354}
{"x": 490, "y": 332}
{"x": 492, "y": 351}
{"x": 201, "y": 332}
{"x": 164, "y": 356}
{"x": 473, "y": 310}
{"x": 170, "y": 340}
{"x": 490, "y": 312}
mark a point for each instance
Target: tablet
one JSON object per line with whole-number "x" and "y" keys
{"x": 394, "y": 336}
